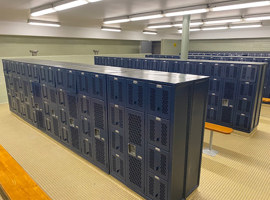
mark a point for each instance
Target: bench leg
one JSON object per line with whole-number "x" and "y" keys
{"x": 209, "y": 151}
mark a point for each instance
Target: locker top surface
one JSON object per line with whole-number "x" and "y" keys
{"x": 217, "y": 56}
{"x": 148, "y": 75}
{"x": 196, "y": 60}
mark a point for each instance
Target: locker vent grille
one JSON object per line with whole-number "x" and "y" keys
{"x": 98, "y": 115}
{"x": 151, "y": 186}
{"x": 163, "y": 166}
{"x": 134, "y": 128}
{"x": 74, "y": 137}
{"x": 100, "y": 151}
{"x": 152, "y": 130}
{"x": 55, "y": 127}
{"x": 162, "y": 191}
{"x": 101, "y": 87}
{"x": 140, "y": 96}
{"x": 53, "y": 95}
{"x": 151, "y": 159}
{"x": 122, "y": 168}
{"x": 120, "y": 93}
{"x": 130, "y": 94}
{"x": 135, "y": 171}
{"x": 165, "y": 101}
{"x": 112, "y": 89}
{"x": 152, "y": 99}
{"x": 164, "y": 134}
{"x": 72, "y": 106}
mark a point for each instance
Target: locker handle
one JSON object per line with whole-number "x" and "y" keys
{"x": 132, "y": 149}
{"x": 97, "y": 133}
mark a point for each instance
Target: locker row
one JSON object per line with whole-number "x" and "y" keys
{"x": 128, "y": 130}
{"x": 230, "y": 82}
{"x": 250, "y": 58}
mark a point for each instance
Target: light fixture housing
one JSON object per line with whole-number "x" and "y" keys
{"x": 150, "y": 32}
{"x": 42, "y": 10}
{"x": 192, "y": 23}
{"x": 146, "y": 16}
{"x": 212, "y": 28}
{"x": 167, "y": 25}
{"x": 43, "y": 23}
{"x": 116, "y": 20}
{"x": 186, "y": 11}
{"x": 112, "y": 29}
{"x": 239, "y": 5}
{"x": 222, "y": 20}
{"x": 93, "y": 1}
{"x": 245, "y": 25}
{"x": 67, "y": 4}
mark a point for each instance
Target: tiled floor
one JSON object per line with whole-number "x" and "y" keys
{"x": 241, "y": 170}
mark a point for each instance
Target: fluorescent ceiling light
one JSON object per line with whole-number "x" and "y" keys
{"x": 150, "y": 32}
{"x": 43, "y": 10}
{"x": 259, "y": 18}
{"x": 145, "y": 17}
{"x": 92, "y": 1}
{"x": 191, "y": 24}
{"x": 67, "y": 4}
{"x": 191, "y": 30}
{"x": 116, "y": 20}
{"x": 43, "y": 23}
{"x": 246, "y": 26}
{"x": 160, "y": 26}
{"x": 214, "y": 28}
{"x": 222, "y": 21}
{"x": 241, "y": 6}
{"x": 111, "y": 29}
{"x": 185, "y": 12}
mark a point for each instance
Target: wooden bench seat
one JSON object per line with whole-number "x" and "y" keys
{"x": 215, "y": 128}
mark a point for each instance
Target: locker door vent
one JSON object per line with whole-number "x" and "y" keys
{"x": 151, "y": 186}
{"x": 72, "y": 106}
{"x": 135, "y": 171}
{"x": 140, "y": 96}
{"x": 53, "y": 95}
{"x": 152, "y": 130}
{"x": 152, "y": 99}
{"x": 164, "y": 134}
{"x": 120, "y": 91}
{"x": 165, "y": 102}
{"x": 100, "y": 151}
{"x": 55, "y": 127}
{"x": 98, "y": 115}
{"x": 74, "y": 137}
{"x": 135, "y": 129}
{"x": 163, "y": 166}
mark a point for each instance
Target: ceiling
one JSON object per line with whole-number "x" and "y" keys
{"x": 92, "y": 14}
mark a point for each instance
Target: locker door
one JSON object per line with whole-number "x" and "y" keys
{"x": 43, "y": 71}
{"x": 72, "y": 105}
{"x": 116, "y": 117}
{"x": 59, "y": 77}
{"x": 157, "y": 189}
{"x": 61, "y": 97}
{"x": 48, "y": 125}
{"x": 136, "y": 94}
{"x": 83, "y": 81}
{"x": 87, "y": 148}
{"x": 63, "y": 116}
{"x": 158, "y": 131}
{"x": 44, "y": 91}
{"x": 159, "y": 98}
{"x": 98, "y": 86}
{"x": 86, "y": 126}
{"x": 50, "y": 77}
{"x": 118, "y": 166}
{"x": 116, "y": 90}
{"x": 248, "y": 73}
{"x": 100, "y": 141}
{"x": 71, "y": 81}
{"x": 55, "y": 126}
{"x": 135, "y": 150}
{"x": 157, "y": 161}
{"x": 84, "y": 103}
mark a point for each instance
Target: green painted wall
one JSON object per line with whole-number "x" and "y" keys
{"x": 231, "y": 45}
{"x": 170, "y": 47}
{"x": 20, "y": 46}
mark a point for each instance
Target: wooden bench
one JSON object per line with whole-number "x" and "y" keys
{"x": 15, "y": 182}
{"x": 266, "y": 100}
{"x": 215, "y": 128}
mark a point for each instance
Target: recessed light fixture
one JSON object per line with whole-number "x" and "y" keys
{"x": 160, "y": 26}
{"x": 150, "y": 32}
{"x": 214, "y": 28}
{"x": 116, "y": 20}
{"x": 43, "y": 23}
{"x": 222, "y": 21}
{"x": 42, "y": 10}
{"x": 67, "y": 4}
{"x": 186, "y": 11}
{"x": 198, "y": 23}
{"x": 113, "y": 29}
{"x": 146, "y": 16}
{"x": 240, "y": 6}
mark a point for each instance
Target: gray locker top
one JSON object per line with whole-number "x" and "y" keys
{"x": 196, "y": 60}
{"x": 150, "y": 75}
{"x": 231, "y": 56}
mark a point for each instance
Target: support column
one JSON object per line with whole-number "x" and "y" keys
{"x": 185, "y": 38}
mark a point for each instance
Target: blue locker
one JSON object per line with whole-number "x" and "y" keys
{"x": 214, "y": 85}
{"x": 135, "y": 160}
{"x": 100, "y": 141}
{"x": 84, "y": 104}
{"x": 60, "y": 77}
{"x": 156, "y": 188}
{"x": 116, "y": 117}
{"x": 159, "y": 98}
{"x": 247, "y": 89}
{"x": 242, "y": 121}
{"x": 47, "y": 75}
{"x": 212, "y": 114}
{"x": 244, "y": 105}
{"x": 98, "y": 86}
{"x": 135, "y": 94}
{"x": 83, "y": 79}
{"x": 117, "y": 166}
{"x": 248, "y": 73}
{"x": 230, "y": 71}
{"x": 87, "y": 148}
{"x": 216, "y": 70}
{"x": 116, "y": 90}
{"x": 157, "y": 162}
{"x": 213, "y": 99}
